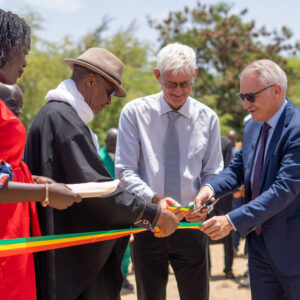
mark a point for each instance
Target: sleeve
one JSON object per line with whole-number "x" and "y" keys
{"x": 230, "y": 178}
{"x": 281, "y": 193}
{"x": 213, "y": 160}
{"x": 6, "y": 173}
{"x": 121, "y": 207}
{"x": 128, "y": 154}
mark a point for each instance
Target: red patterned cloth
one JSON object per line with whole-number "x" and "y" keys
{"x": 18, "y": 220}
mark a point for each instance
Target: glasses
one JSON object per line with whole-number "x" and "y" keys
{"x": 174, "y": 85}
{"x": 251, "y": 96}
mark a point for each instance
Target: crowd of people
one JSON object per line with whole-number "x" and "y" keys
{"x": 167, "y": 151}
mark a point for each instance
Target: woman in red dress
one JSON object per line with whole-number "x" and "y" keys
{"x": 18, "y": 216}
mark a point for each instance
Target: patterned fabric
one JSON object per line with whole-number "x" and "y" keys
{"x": 5, "y": 173}
{"x": 171, "y": 159}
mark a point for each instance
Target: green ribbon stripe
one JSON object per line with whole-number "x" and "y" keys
{"x": 73, "y": 235}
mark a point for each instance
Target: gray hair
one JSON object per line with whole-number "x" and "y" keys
{"x": 178, "y": 58}
{"x": 268, "y": 73}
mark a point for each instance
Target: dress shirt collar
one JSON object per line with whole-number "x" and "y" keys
{"x": 164, "y": 107}
{"x": 273, "y": 121}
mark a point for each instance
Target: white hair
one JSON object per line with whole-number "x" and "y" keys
{"x": 178, "y": 58}
{"x": 268, "y": 73}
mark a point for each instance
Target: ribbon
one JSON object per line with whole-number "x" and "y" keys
{"x": 181, "y": 208}
{"x": 41, "y": 243}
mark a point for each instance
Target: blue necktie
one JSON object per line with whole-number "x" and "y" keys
{"x": 259, "y": 166}
{"x": 171, "y": 159}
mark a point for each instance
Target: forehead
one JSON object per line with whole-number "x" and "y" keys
{"x": 250, "y": 83}
{"x": 180, "y": 77}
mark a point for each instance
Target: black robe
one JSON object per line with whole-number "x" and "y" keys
{"x": 60, "y": 146}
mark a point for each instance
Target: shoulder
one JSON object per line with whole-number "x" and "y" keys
{"x": 142, "y": 106}
{"x": 202, "y": 109}
{"x": 203, "y": 114}
{"x": 58, "y": 119}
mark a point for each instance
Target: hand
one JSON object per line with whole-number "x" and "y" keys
{"x": 196, "y": 217}
{"x": 217, "y": 227}
{"x": 204, "y": 194}
{"x": 164, "y": 202}
{"x": 167, "y": 223}
{"x": 61, "y": 196}
{"x": 42, "y": 179}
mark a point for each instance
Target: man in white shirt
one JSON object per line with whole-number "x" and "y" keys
{"x": 168, "y": 146}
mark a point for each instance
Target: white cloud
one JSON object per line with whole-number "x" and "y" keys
{"x": 68, "y": 6}
{"x": 2, "y": 2}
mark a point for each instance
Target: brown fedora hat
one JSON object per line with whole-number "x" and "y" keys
{"x": 102, "y": 62}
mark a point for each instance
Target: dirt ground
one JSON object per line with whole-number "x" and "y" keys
{"x": 220, "y": 288}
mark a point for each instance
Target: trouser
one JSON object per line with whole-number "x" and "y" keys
{"x": 266, "y": 281}
{"x": 186, "y": 250}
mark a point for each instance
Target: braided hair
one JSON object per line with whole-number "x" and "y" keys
{"x": 14, "y": 36}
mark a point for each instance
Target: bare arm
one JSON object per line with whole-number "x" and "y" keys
{"x": 60, "y": 195}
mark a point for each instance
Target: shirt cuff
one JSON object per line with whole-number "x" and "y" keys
{"x": 149, "y": 216}
{"x": 231, "y": 222}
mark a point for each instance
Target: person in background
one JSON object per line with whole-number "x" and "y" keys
{"x": 238, "y": 198}
{"x": 107, "y": 155}
{"x": 107, "y": 152}
{"x": 168, "y": 146}
{"x": 222, "y": 207}
{"x": 12, "y": 96}
{"x": 18, "y": 194}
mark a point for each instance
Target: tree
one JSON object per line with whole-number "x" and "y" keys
{"x": 224, "y": 43}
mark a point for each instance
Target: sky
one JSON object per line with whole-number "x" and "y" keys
{"x": 77, "y": 18}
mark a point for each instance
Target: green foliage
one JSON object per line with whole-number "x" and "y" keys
{"x": 46, "y": 69}
{"x": 294, "y": 64}
{"x": 224, "y": 43}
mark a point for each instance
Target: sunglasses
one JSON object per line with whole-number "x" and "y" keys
{"x": 251, "y": 96}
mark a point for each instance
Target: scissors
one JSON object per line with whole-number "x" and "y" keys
{"x": 208, "y": 204}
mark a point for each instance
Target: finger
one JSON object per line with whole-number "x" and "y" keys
{"x": 208, "y": 223}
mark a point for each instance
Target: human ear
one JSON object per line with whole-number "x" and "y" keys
{"x": 90, "y": 80}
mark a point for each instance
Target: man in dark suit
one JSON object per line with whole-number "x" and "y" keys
{"x": 269, "y": 166}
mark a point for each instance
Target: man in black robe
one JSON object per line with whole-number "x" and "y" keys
{"x": 60, "y": 145}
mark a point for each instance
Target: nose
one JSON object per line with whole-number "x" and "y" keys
{"x": 177, "y": 90}
{"x": 246, "y": 103}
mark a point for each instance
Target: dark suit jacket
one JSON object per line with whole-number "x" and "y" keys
{"x": 277, "y": 208}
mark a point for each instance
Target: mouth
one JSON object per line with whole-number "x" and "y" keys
{"x": 20, "y": 73}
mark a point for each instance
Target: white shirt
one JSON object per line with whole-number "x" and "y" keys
{"x": 139, "y": 154}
